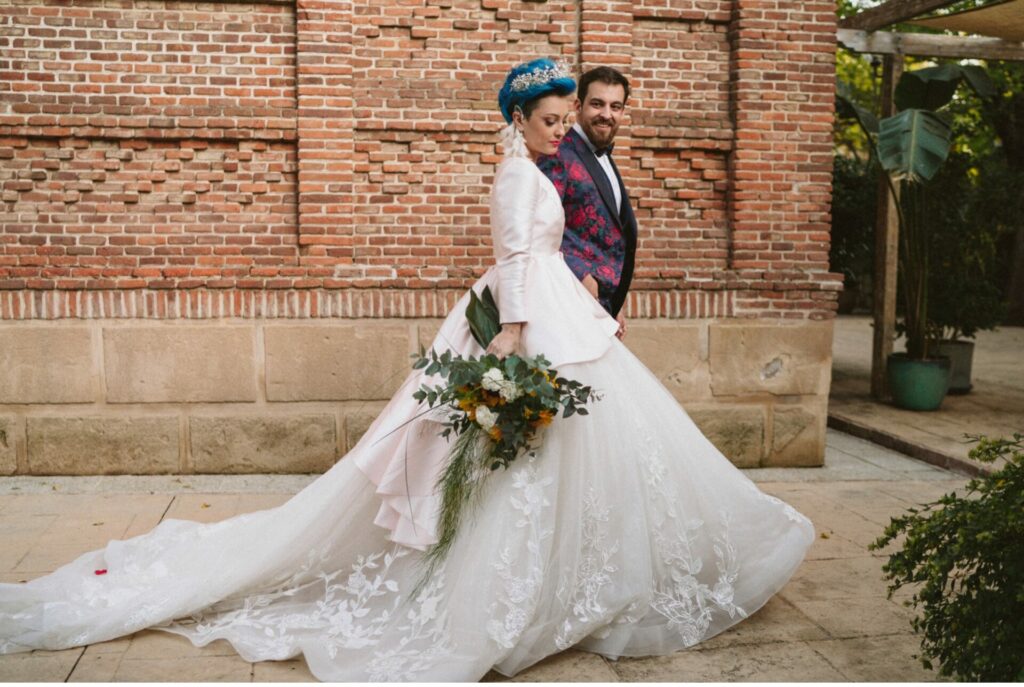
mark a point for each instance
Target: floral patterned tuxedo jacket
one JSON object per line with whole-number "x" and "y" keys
{"x": 597, "y": 239}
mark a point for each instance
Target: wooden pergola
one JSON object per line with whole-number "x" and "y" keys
{"x": 1002, "y": 38}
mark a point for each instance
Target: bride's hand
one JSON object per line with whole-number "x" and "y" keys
{"x": 507, "y": 340}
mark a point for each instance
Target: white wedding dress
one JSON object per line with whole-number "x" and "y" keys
{"x": 627, "y": 534}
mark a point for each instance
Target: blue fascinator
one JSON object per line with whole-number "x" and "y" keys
{"x": 533, "y": 80}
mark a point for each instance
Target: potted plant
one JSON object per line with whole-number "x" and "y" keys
{"x": 963, "y": 292}
{"x": 911, "y": 146}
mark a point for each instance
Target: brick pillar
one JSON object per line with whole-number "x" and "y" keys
{"x": 780, "y": 169}
{"x": 325, "y": 124}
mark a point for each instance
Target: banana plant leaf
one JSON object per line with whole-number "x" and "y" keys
{"x": 913, "y": 144}
{"x": 927, "y": 89}
{"x": 933, "y": 87}
{"x": 848, "y": 108}
{"x": 482, "y": 314}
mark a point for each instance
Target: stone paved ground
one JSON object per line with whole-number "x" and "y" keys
{"x": 832, "y": 622}
{"x": 994, "y": 407}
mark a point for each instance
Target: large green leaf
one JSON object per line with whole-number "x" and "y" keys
{"x": 848, "y": 108}
{"x": 913, "y": 144}
{"x": 929, "y": 88}
{"x": 933, "y": 87}
{"x": 482, "y": 314}
{"x": 979, "y": 80}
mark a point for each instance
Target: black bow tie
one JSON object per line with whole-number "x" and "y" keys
{"x": 607, "y": 150}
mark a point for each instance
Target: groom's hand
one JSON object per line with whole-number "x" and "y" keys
{"x": 620, "y": 318}
{"x": 591, "y": 285}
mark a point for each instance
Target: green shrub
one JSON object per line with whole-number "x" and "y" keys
{"x": 967, "y": 555}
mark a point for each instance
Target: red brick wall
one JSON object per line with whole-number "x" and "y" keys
{"x": 328, "y": 158}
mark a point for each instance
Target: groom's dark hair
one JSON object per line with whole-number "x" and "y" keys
{"x": 608, "y": 75}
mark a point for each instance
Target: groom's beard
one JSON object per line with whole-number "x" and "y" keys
{"x": 601, "y": 137}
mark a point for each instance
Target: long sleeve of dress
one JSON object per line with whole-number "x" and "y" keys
{"x": 513, "y": 204}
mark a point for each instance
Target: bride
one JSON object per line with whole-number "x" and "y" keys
{"x": 627, "y": 533}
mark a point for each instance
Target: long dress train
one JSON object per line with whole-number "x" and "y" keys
{"x": 627, "y": 534}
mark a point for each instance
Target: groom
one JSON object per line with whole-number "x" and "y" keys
{"x": 599, "y": 242}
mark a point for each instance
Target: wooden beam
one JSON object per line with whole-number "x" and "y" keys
{"x": 887, "y": 234}
{"x": 890, "y": 13}
{"x": 930, "y": 45}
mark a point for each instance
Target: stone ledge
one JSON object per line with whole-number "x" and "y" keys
{"x": 334, "y": 362}
{"x": 737, "y": 431}
{"x": 102, "y": 446}
{"x": 762, "y": 357}
{"x": 254, "y": 444}
{"x": 8, "y": 445}
{"x": 179, "y": 364}
{"x": 45, "y": 364}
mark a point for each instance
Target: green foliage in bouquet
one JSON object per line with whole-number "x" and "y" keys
{"x": 967, "y": 555}
{"x": 496, "y": 407}
{"x": 482, "y": 314}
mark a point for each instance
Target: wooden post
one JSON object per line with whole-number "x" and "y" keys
{"x": 886, "y": 249}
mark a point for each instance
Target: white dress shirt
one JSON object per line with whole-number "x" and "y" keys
{"x": 606, "y": 165}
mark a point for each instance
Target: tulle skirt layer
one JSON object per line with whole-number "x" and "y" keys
{"x": 627, "y": 534}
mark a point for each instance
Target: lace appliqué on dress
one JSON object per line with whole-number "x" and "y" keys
{"x": 593, "y": 572}
{"x": 350, "y": 614}
{"x": 687, "y": 603}
{"x": 519, "y": 597}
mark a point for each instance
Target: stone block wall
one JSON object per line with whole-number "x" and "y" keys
{"x": 207, "y": 209}
{"x": 124, "y": 397}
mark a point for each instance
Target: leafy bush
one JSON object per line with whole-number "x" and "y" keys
{"x": 964, "y": 294}
{"x": 967, "y": 555}
{"x": 854, "y": 190}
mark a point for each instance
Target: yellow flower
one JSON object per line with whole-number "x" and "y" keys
{"x": 495, "y": 433}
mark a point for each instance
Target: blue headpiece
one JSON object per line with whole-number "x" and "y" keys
{"x": 532, "y": 80}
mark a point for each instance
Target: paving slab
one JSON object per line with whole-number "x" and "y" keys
{"x": 201, "y": 669}
{"x": 39, "y": 666}
{"x": 840, "y": 578}
{"x": 876, "y": 659}
{"x": 294, "y": 670}
{"x": 844, "y": 618}
{"x": 567, "y": 666}
{"x": 770, "y": 662}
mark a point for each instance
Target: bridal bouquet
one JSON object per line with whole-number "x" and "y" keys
{"x": 496, "y": 407}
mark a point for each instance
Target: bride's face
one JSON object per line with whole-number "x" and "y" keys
{"x": 548, "y": 121}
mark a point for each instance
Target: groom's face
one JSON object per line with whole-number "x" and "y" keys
{"x": 600, "y": 112}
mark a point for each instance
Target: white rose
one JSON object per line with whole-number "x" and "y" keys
{"x": 486, "y": 418}
{"x": 510, "y": 391}
{"x": 492, "y": 379}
